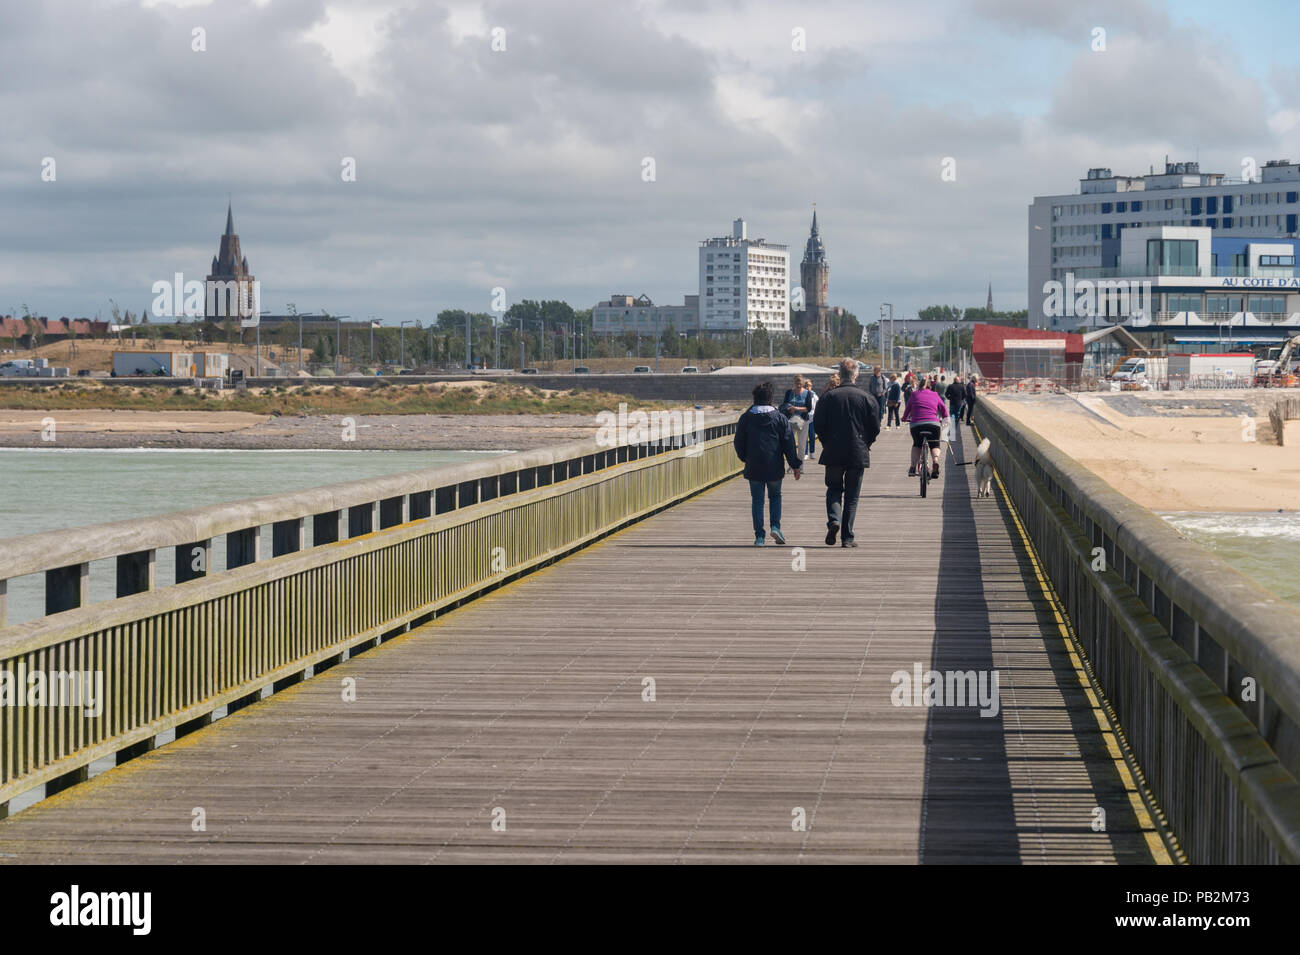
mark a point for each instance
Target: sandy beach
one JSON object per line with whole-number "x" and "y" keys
{"x": 1187, "y": 451}
{"x": 234, "y": 430}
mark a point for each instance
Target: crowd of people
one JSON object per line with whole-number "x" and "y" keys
{"x": 847, "y": 418}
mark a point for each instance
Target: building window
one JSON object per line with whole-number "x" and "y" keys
{"x": 1277, "y": 260}
{"x": 1223, "y": 304}
{"x": 1137, "y": 205}
{"x": 1227, "y": 205}
{"x": 1267, "y": 304}
{"x": 1171, "y": 256}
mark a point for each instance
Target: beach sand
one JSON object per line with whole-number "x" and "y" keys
{"x": 1186, "y": 451}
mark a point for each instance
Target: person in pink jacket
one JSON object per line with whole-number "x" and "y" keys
{"x": 925, "y": 411}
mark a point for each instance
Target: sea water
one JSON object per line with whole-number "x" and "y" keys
{"x": 54, "y": 489}
{"x": 1264, "y": 546}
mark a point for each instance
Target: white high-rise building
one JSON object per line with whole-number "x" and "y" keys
{"x": 744, "y": 283}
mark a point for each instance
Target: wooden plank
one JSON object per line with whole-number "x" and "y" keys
{"x": 772, "y": 698}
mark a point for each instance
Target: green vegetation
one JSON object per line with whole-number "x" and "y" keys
{"x": 495, "y": 398}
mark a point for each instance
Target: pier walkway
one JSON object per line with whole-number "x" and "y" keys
{"x": 671, "y": 693}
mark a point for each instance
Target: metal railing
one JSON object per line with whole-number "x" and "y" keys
{"x": 1201, "y": 665}
{"x": 387, "y": 554}
{"x": 1181, "y": 271}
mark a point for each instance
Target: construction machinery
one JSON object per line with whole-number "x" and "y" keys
{"x": 1276, "y": 370}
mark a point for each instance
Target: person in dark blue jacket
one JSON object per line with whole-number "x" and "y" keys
{"x": 763, "y": 438}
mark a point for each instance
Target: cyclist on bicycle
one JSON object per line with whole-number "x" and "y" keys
{"x": 925, "y": 411}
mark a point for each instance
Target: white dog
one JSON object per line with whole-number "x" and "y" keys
{"x": 984, "y": 470}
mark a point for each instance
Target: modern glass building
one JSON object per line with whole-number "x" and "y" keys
{"x": 1188, "y": 261}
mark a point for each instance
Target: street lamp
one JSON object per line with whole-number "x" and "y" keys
{"x": 889, "y": 362}
{"x": 293, "y": 310}
{"x": 401, "y": 334}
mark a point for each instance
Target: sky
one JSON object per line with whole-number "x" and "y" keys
{"x": 524, "y": 166}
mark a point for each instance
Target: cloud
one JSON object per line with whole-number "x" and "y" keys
{"x": 523, "y": 167}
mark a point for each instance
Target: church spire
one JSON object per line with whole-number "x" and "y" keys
{"x": 990, "y": 305}
{"x": 230, "y": 219}
{"x": 814, "y": 227}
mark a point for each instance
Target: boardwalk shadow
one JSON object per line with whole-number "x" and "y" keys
{"x": 967, "y": 812}
{"x": 973, "y": 788}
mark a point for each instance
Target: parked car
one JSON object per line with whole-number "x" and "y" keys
{"x": 690, "y": 370}
{"x": 641, "y": 370}
{"x": 528, "y": 371}
{"x": 582, "y": 370}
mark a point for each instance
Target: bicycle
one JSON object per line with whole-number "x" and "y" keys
{"x": 925, "y": 461}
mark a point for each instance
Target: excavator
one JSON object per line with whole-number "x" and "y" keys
{"x": 1277, "y": 371}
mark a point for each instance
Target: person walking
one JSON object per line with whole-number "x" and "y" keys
{"x": 925, "y": 412}
{"x": 876, "y": 388}
{"x": 796, "y": 407}
{"x": 812, "y": 412}
{"x": 956, "y": 395}
{"x": 848, "y": 423}
{"x": 971, "y": 397}
{"x": 763, "y": 438}
{"x": 893, "y": 399}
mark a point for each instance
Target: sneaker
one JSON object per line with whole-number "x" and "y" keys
{"x": 831, "y": 532}
{"x": 934, "y": 475}
{"x": 911, "y": 472}
{"x": 848, "y": 543}
{"x": 760, "y": 542}
{"x": 777, "y": 535}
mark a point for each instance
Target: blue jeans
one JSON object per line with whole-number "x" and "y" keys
{"x": 773, "y": 489}
{"x": 955, "y": 415}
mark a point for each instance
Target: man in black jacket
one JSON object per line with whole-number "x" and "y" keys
{"x": 847, "y": 423}
{"x": 763, "y": 438}
{"x": 956, "y": 395}
{"x": 971, "y": 397}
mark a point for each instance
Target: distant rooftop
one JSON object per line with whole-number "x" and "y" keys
{"x": 1182, "y": 175}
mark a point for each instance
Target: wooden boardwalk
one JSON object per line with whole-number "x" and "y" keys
{"x": 772, "y": 701}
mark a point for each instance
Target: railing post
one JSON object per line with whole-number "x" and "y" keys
{"x": 67, "y": 588}
{"x": 4, "y": 608}
{"x": 136, "y": 572}
{"x": 193, "y": 560}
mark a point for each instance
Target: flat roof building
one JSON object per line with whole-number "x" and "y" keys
{"x": 1181, "y": 257}
{"x": 623, "y": 313}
